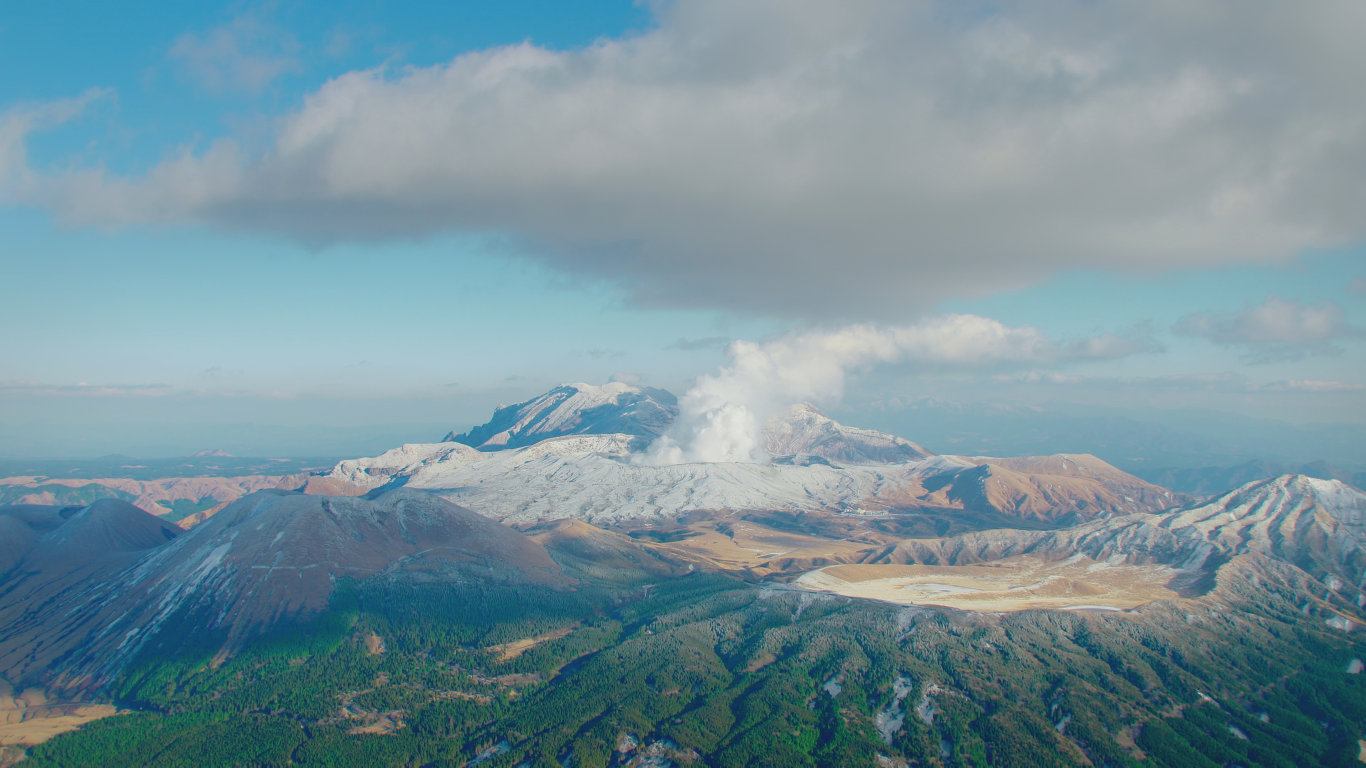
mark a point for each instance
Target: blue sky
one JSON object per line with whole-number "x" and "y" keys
{"x": 327, "y": 228}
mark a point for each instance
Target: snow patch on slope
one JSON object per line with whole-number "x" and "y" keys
{"x": 1318, "y": 525}
{"x": 595, "y": 478}
{"x": 592, "y": 477}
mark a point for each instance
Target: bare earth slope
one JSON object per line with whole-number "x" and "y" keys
{"x": 52, "y": 592}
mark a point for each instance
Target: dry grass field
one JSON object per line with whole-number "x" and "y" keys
{"x": 739, "y": 544}
{"x": 1012, "y": 584}
{"x": 28, "y": 718}
{"x": 509, "y": 651}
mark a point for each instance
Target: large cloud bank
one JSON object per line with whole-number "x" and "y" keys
{"x": 813, "y": 158}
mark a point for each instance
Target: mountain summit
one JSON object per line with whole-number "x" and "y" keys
{"x": 1318, "y": 525}
{"x": 644, "y": 412}
{"x": 575, "y": 409}
{"x": 803, "y": 430}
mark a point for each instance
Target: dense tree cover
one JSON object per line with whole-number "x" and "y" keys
{"x": 714, "y": 671}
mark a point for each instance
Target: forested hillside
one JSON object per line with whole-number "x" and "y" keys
{"x": 707, "y": 670}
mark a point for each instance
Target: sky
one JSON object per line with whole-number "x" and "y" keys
{"x": 327, "y": 228}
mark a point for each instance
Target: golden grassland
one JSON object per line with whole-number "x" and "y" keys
{"x": 511, "y": 650}
{"x": 28, "y": 717}
{"x": 1012, "y": 584}
{"x": 752, "y": 545}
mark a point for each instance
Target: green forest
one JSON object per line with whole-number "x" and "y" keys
{"x": 710, "y": 670}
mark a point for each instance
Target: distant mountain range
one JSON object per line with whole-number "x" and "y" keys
{"x": 176, "y": 499}
{"x": 191, "y": 489}
{"x": 129, "y": 468}
{"x": 1206, "y": 481}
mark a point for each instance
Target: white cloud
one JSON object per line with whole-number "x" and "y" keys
{"x": 1207, "y": 382}
{"x": 722, "y": 414}
{"x": 1275, "y": 330}
{"x": 85, "y": 388}
{"x": 851, "y": 160}
{"x": 1275, "y": 320}
{"x": 17, "y": 180}
{"x": 1039, "y": 377}
{"x": 1313, "y": 385}
{"x": 1226, "y": 382}
{"x": 247, "y": 53}
{"x": 704, "y": 342}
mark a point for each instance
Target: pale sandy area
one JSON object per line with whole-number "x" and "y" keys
{"x": 508, "y": 651}
{"x": 375, "y": 723}
{"x": 1012, "y": 584}
{"x": 28, "y": 717}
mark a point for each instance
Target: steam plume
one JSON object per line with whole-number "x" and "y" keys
{"x": 721, "y": 417}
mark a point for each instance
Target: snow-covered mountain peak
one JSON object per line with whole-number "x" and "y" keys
{"x": 1319, "y": 525}
{"x": 805, "y": 411}
{"x": 374, "y": 471}
{"x": 803, "y": 429}
{"x": 1277, "y": 495}
{"x": 575, "y": 409}
{"x": 601, "y": 392}
{"x": 646, "y": 413}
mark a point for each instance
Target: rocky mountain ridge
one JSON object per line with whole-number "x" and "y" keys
{"x": 1318, "y": 526}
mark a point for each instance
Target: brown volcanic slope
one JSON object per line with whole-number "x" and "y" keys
{"x": 53, "y": 542}
{"x": 57, "y": 561}
{"x": 1064, "y": 488}
{"x": 268, "y": 558}
{"x": 605, "y": 555}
